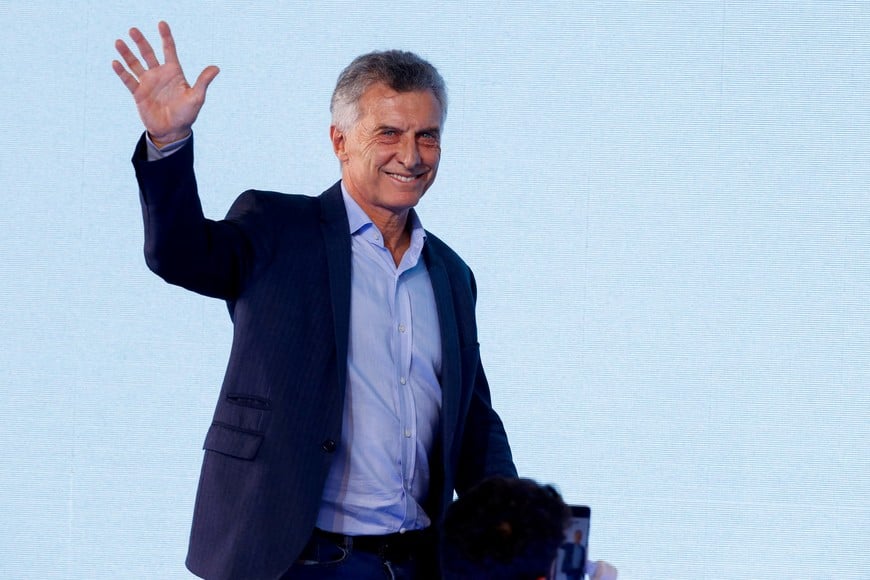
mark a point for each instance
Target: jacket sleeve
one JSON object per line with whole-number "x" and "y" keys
{"x": 182, "y": 246}
{"x": 484, "y": 451}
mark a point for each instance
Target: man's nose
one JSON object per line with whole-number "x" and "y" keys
{"x": 409, "y": 151}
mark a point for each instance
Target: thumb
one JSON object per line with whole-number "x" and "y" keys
{"x": 604, "y": 571}
{"x": 205, "y": 78}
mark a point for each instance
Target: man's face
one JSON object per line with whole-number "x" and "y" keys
{"x": 390, "y": 158}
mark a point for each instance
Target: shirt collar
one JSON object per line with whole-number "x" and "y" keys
{"x": 359, "y": 221}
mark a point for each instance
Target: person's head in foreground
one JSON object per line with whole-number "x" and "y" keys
{"x": 505, "y": 528}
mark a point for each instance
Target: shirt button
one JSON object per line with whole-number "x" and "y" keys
{"x": 403, "y": 380}
{"x": 328, "y": 445}
{"x": 407, "y": 432}
{"x": 402, "y": 328}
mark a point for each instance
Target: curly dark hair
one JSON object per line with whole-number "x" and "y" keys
{"x": 506, "y": 528}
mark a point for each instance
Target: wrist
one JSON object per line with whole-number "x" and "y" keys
{"x": 161, "y": 141}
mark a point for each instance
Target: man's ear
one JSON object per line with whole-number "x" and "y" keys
{"x": 339, "y": 142}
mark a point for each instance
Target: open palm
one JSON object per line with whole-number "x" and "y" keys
{"x": 167, "y": 104}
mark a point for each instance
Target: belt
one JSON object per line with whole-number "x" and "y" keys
{"x": 395, "y": 547}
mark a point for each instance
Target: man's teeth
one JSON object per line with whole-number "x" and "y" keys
{"x": 405, "y": 178}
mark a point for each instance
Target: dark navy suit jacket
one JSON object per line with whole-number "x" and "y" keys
{"x": 282, "y": 263}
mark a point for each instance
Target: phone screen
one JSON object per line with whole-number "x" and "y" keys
{"x": 570, "y": 562}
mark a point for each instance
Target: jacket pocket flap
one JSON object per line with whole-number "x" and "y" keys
{"x": 232, "y": 441}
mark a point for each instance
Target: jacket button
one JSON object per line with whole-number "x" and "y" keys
{"x": 328, "y": 445}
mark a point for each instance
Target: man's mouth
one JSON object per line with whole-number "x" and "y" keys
{"x": 404, "y": 178}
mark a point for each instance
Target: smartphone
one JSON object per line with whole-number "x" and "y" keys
{"x": 570, "y": 563}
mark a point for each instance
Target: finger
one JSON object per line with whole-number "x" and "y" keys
{"x": 608, "y": 572}
{"x": 169, "y": 53}
{"x": 129, "y": 80}
{"x": 132, "y": 62}
{"x": 144, "y": 48}
{"x": 205, "y": 78}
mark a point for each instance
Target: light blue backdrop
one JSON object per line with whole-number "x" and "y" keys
{"x": 665, "y": 203}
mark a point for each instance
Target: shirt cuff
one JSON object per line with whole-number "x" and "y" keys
{"x": 155, "y": 153}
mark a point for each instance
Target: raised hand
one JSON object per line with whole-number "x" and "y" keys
{"x": 167, "y": 104}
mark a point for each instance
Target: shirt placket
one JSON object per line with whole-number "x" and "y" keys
{"x": 403, "y": 329}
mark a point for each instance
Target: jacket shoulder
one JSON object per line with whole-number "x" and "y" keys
{"x": 274, "y": 200}
{"x": 444, "y": 252}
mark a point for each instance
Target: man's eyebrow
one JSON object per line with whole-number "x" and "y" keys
{"x": 436, "y": 130}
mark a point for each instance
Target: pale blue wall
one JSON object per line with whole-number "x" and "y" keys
{"x": 665, "y": 203}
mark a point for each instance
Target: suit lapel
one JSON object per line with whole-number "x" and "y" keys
{"x": 450, "y": 356}
{"x": 336, "y": 237}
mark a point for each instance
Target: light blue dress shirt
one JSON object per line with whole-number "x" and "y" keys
{"x": 380, "y": 474}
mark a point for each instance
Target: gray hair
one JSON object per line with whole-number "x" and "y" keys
{"x": 400, "y": 70}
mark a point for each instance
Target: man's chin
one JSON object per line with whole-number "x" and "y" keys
{"x": 402, "y": 198}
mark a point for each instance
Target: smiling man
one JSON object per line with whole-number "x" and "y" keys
{"x": 354, "y": 402}
{"x": 390, "y": 156}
